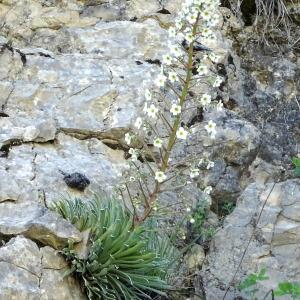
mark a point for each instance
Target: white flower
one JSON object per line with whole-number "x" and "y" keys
{"x": 202, "y": 70}
{"x": 138, "y": 123}
{"x": 206, "y": 32}
{"x": 201, "y": 161}
{"x": 173, "y": 77}
{"x": 210, "y": 127}
{"x": 152, "y": 111}
{"x": 148, "y": 95}
{"x": 160, "y": 80}
{"x": 194, "y": 9}
{"x": 175, "y": 50}
{"x": 192, "y": 220}
{"x": 172, "y": 32}
{"x": 128, "y": 138}
{"x": 210, "y": 165}
{"x": 157, "y": 143}
{"x": 178, "y": 23}
{"x": 167, "y": 59}
{"x": 160, "y": 176}
{"x": 198, "y": 2}
{"x": 192, "y": 18}
{"x": 134, "y": 154}
{"x": 205, "y": 99}
{"x": 188, "y": 209}
{"x": 207, "y": 190}
{"x": 175, "y": 109}
{"x": 213, "y": 57}
{"x": 181, "y": 133}
{"x": 206, "y": 15}
{"x": 194, "y": 173}
{"x": 189, "y": 37}
{"x": 186, "y": 8}
{"x": 132, "y": 178}
{"x": 218, "y": 81}
{"x": 220, "y": 106}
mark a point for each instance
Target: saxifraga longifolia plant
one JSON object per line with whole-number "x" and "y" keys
{"x": 121, "y": 263}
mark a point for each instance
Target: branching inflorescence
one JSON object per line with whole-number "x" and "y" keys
{"x": 184, "y": 70}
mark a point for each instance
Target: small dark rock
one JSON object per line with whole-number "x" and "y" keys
{"x": 3, "y": 114}
{"x": 76, "y": 181}
{"x": 197, "y": 46}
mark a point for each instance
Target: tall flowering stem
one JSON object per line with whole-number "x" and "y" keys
{"x": 192, "y": 29}
{"x": 175, "y": 127}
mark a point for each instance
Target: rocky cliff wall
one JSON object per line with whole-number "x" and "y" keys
{"x": 71, "y": 76}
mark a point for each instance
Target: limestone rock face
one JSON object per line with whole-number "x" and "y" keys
{"x": 73, "y": 74}
{"x": 36, "y": 222}
{"x": 195, "y": 258}
{"x": 70, "y": 84}
{"x": 233, "y": 150}
{"x": 274, "y": 244}
{"x": 28, "y": 272}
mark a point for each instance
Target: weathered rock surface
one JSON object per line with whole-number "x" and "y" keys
{"x": 30, "y": 273}
{"x": 236, "y": 145}
{"x": 36, "y": 222}
{"x": 195, "y": 258}
{"x": 263, "y": 89}
{"x": 72, "y": 81}
{"x": 274, "y": 244}
{"x": 35, "y": 167}
{"x": 69, "y": 84}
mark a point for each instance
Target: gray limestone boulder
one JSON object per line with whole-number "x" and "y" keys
{"x": 36, "y": 223}
{"x": 274, "y": 243}
{"x": 30, "y": 273}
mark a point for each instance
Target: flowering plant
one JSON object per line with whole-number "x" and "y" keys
{"x": 155, "y": 135}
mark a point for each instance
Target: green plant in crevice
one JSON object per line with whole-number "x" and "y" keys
{"x": 227, "y": 208}
{"x": 119, "y": 264}
{"x": 249, "y": 284}
{"x": 288, "y": 288}
{"x": 296, "y": 162}
{"x": 200, "y": 227}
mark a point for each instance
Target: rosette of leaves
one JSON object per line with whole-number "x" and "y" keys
{"x": 119, "y": 264}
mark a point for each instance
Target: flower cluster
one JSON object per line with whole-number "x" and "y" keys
{"x": 161, "y": 125}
